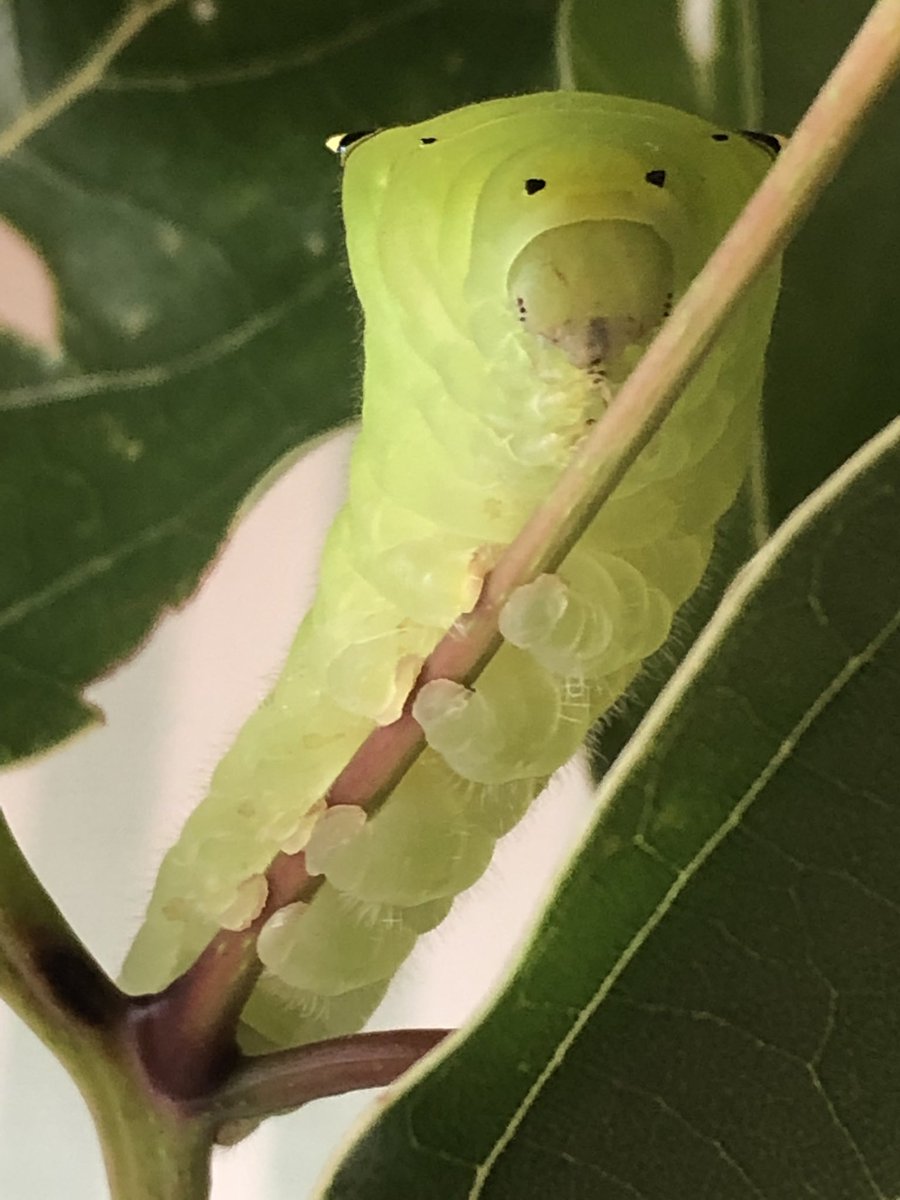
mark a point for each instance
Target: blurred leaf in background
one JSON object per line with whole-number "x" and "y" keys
{"x": 703, "y": 58}
{"x": 834, "y": 370}
{"x": 189, "y": 216}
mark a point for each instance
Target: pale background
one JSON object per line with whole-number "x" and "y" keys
{"x": 96, "y": 816}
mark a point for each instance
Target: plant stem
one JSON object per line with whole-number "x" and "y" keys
{"x": 186, "y": 1033}
{"x": 275, "y": 1083}
{"x": 152, "y": 1149}
{"x": 46, "y": 974}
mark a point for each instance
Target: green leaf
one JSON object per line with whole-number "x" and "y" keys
{"x": 710, "y": 1005}
{"x": 182, "y": 200}
{"x": 834, "y": 371}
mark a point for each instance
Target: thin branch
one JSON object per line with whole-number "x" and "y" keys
{"x": 281, "y": 1082}
{"x": 84, "y": 78}
{"x": 224, "y": 973}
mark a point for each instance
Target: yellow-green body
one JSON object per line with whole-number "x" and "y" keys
{"x": 500, "y": 317}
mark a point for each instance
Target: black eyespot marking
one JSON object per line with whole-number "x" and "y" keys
{"x": 347, "y": 139}
{"x": 520, "y": 305}
{"x": 427, "y": 141}
{"x": 534, "y": 185}
{"x": 720, "y": 137}
{"x": 657, "y": 178}
{"x": 342, "y": 143}
{"x": 768, "y": 141}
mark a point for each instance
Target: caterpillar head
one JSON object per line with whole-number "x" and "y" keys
{"x": 575, "y": 218}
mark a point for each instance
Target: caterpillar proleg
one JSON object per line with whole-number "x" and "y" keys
{"x": 513, "y": 259}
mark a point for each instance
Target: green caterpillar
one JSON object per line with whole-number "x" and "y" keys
{"x": 513, "y": 259}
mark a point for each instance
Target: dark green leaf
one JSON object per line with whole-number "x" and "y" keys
{"x": 655, "y": 52}
{"x": 834, "y": 371}
{"x": 710, "y": 1006}
{"x": 188, "y": 213}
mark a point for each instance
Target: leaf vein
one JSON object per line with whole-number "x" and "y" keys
{"x": 702, "y": 1016}
{"x": 208, "y": 354}
{"x": 101, "y": 564}
{"x": 257, "y": 70}
{"x": 706, "y": 1139}
{"x": 64, "y": 177}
